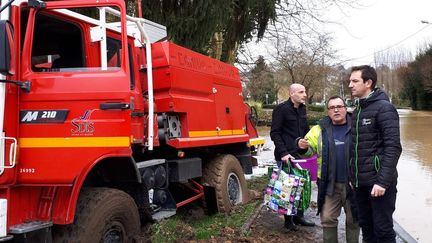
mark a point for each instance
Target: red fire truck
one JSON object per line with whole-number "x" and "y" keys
{"x": 103, "y": 128}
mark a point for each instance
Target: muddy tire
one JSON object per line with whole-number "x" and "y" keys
{"x": 225, "y": 174}
{"x": 102, "y": 215}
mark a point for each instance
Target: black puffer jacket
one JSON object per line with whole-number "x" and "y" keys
{"x": 288, "y": 124}
{"x": 376, "y": 142}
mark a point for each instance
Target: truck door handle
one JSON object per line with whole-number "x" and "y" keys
{"x": 114, "y": 106}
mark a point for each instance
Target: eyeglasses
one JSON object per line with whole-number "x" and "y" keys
{"x": 336, "y": 107}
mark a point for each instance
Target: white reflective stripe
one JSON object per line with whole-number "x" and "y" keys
{"x": 12, "y": 153}
{"x": 3, "y": 217}
{"x": 103, "y": 44}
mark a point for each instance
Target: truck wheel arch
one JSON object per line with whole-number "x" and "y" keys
{"x": 83, "y": 178}
{"x": 225, "y": 174}
{"x": 102, "y": 214}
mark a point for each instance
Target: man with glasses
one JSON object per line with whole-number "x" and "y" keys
{"x": 331, "y": 140}
{"x": 289, "y": 123}
{"x": 375, "y": 154}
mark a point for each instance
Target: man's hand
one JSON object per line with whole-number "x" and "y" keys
{"x": 377, "y": 191}
{"x": 287, "y": 157}
{"x": 303, "y": 143}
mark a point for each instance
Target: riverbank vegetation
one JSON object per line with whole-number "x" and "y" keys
{"x": 407, "y": 81}
{"x": 264, "y": 113}
{"x": 417, "y": 81}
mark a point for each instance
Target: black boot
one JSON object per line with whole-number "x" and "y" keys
{"x": 289, "y": 224}
{"x": 300, "y": 220}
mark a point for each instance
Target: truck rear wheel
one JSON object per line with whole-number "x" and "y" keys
{"x": 225, "y": 174}
{"x": 102, "y": 215}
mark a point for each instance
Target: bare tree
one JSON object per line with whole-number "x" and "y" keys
{"x": 304, "y": 63}
{"x": 298, "y": 48}
{"x": 300, "y": 21}
{"x": 387, "y": 62}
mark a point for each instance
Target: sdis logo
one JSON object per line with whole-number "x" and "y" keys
{"x": 83, "y": 125}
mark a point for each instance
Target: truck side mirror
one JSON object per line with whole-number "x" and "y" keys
{"x": 7, "y": 54}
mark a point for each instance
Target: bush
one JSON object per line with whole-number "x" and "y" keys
{"x": 314, "y": 117}
{"x": 265, "y": 118}
{"x": 318, "y": 108}
{"x": 269, "y": 106}
{"x": 258, "y": 106}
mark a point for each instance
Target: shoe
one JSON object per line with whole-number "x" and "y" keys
{"x": 289, "y": 224}
{"x": 302, "y": 221}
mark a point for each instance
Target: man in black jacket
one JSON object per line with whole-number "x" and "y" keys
{"x": 375, "y": 154}
{"x": 289, "y": 123}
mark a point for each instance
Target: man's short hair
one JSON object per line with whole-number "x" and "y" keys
{"x": 333, "y": 98}
{"x": 367, "y": 72}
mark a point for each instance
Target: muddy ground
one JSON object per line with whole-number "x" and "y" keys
{"x": 267, "y": 226}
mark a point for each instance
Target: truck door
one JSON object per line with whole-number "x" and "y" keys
{"x": 78, "y": 108}
{"x": 230, "y": 116}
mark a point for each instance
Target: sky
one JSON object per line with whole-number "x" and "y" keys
{"x": 380, "y": 25}
{"x": 371, "y": 26}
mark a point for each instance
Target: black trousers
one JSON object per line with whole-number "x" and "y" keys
{"x": 376, "y": 214}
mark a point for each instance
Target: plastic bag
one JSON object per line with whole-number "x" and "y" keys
{"x": 306, "y": 187}
{"x": 284, "y": 192}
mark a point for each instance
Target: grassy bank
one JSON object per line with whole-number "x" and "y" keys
{"x": 192, "y": 223}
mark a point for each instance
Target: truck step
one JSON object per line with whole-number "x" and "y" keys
{"x": 163, "y": 214}
{"x": 29, "y": 227}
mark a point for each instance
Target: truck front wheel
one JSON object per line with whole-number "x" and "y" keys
{"x": 225, "y": 174}
{"x": 102, "y": 215}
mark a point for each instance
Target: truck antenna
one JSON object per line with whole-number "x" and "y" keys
{"x": 6, "y": 5}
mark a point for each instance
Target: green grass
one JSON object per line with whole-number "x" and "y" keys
{"x": 258, "y": 183}
{"x": 165, "y": 231}
{"x": 186, "y": 226}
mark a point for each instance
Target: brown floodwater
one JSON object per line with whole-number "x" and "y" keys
{"x": 414, "y": 199}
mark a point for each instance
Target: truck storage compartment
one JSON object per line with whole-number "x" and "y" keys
{"x": 206, "y": 91}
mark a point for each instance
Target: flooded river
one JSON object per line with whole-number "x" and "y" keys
{"x": 414, "y": 199}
